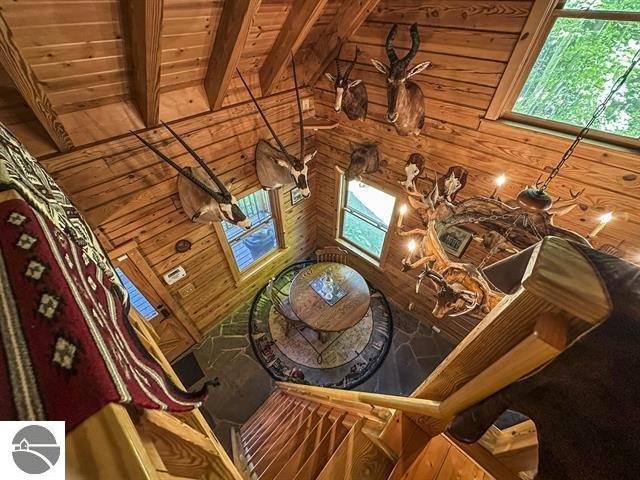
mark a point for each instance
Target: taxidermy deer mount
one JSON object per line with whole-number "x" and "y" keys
{"x": 351, "y": 95}
{"x": 405, "y": 102}
{"x": 276, "y": 167}
{"x": 462, "y": 288}
{"x": 364, "y": 159}
{"x": 205, "y": 198}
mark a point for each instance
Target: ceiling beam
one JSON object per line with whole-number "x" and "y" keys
{"x": 293, "y": 33}
{"x": 31, "y": 88}
{"x": 231, "y": 36}
{"x": 350, "y": 16}
{"x": 142, "y": 20}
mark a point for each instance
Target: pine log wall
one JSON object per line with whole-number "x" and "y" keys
{"x": 126, "y": 193}
{"x": 469, "y": 44}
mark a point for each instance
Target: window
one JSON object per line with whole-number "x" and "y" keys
{"x": 365, "y": 217}
{"x": 584, "y": 46}
{"x": 249, "y": 246}
{"x": 137, "y": 299}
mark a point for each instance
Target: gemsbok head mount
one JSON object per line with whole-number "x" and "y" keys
{"x": 276, "y": 167}
{"x": 351, "y": 95}
{"x": 204, "y": 198}
{"x": 405, "y": 102}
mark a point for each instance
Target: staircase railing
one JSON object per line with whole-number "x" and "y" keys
{"x": 560, "y": 298}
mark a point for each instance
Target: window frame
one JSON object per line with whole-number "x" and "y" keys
{"x": 276, "y": 216}
{"x": 541, "y": 20}
{"x": 342, "y": 192}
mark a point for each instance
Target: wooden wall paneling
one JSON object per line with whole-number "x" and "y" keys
{"x": 130, "y": 195}
{"x": 142, "y": 27}
{"x": 351, "y": 14}
{"x": 31, "y": 89}
{"x": 230, "y": 39}
{"x": 301, "y": 18}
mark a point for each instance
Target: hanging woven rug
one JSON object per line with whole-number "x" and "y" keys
{"x": 342, "y": 360}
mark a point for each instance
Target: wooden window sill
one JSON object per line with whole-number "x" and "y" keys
{"x": 259, "y": 265}
{"x": 356, "y": 251}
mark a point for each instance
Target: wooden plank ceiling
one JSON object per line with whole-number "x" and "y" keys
{"x": 108, "y": 66}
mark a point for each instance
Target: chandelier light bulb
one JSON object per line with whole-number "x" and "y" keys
{"x": 411, "y": 245}
{"x": 403, "y": 209}
{"x": 500, "y": 180}
{"x": 606, "y": 218}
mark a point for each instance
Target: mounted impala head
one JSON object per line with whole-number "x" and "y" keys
{"x": 276, "y": 167}
{"x": 210, "y": 198}
{"x": 405, "y": 102}
{"x": 351, "y": 95}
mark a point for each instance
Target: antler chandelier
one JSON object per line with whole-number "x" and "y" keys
{"x": 462, "y": 288}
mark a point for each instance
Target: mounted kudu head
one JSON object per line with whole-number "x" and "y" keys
{"x": 211, "y": 199}
{"x": 405, "y": 102}
{"x": 351, "y": 95}
{"x": 276, "y": 167}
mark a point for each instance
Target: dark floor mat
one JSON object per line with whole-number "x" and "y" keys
{"x": 188, "y": 370}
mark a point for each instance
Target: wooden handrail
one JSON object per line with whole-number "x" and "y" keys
{"x": 406, "y": 404}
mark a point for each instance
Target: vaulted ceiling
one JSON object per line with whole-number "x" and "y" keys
{"x": 77, "y": 72}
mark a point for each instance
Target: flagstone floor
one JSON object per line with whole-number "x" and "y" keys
{"x": 225, "y": 353}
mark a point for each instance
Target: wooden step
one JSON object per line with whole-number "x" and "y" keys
{"x": 274, "y": 448}
{"x": 270, "y": 427}
{"x": 323, "y": 452}
{"x": 312, "y": 430}
{"x": 306, "y": 449}
{"x": 357, "y": 458}
{"x": 285, "y": 423}
{"x": 263, "y": 411}
{"x": 267, "y": 421}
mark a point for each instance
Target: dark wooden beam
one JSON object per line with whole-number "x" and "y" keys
{"x": 350, "y": 16}
{"x": 142, "y": 21}
{"x": 296, "y": 27}
{"x": 31, "y": 88}
{"x": 231, "y": 36}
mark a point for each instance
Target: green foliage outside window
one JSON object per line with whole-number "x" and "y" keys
{"x": 580, "y": 61}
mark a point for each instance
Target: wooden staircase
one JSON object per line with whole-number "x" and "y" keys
{"x": 304, "y": 432}
{"x": 292, "y": 438}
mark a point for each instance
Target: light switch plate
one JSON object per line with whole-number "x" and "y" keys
{"x": 306, "y": 104}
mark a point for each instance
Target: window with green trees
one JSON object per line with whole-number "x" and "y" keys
{"x": 590, "y": 44}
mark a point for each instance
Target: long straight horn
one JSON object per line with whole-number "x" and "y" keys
{"x": 273, "y": 133}
{"x": 388, "y": 45}
{"x": 203, "y": 164}
{"x": 295, "y": 84}
{"x": 415, "y": 45}
{"x": 185, "y": 173}
{"x": 338, "y": 62}
{"x": 351, "y": 65}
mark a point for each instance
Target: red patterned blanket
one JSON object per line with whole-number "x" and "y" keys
{"x": 67, "y": 348}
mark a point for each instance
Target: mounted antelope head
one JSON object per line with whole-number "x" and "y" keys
{"x": 205, "y": 199}
{"x": 351, "y": 95}
{"x": 276, "y": 167}
{"x": 405, "y": 102}
{"x": 413, "y": 169}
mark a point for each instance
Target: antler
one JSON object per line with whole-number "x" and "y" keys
{"x": 415, "y": 45}
{"x": 295, "y": 84}
{"x": 351, "y": 65}
{"x": 391, "y": 53}
{"x": 338, "y": 62}
{"x": 273, "y": 133}
{"x": 223, "y": 189}
{"x": 218, "y": 197}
